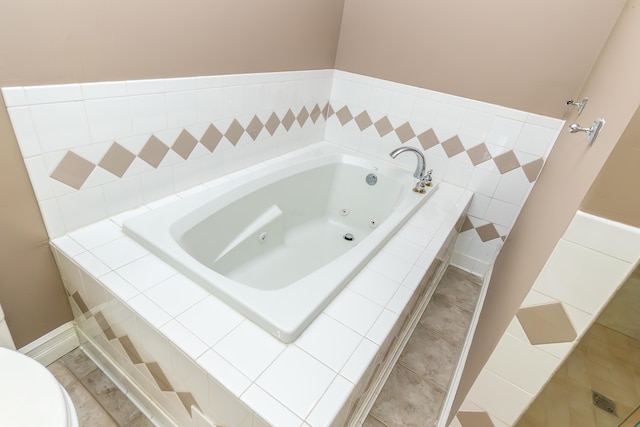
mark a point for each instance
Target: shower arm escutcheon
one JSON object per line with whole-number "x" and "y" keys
{"x": 592, "y": 132}
{"x": 580, "y": 104}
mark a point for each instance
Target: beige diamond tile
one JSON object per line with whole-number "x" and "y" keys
{"x": 272, "y": 124}
{"x": 405, "y": 132}
{"x": 158, "y": 375}
{"x": 104, "y": 325}
{"x": 80, "y": 302}
{"x": 73, "y": 170}
{"x": 211, "y": 138}
{"x": 131, "y": 351}
{"x": 344, "y": 115}
{"x": 153, "y": 151}
{"x": 187, "y": 400}
{"x": 478, "y": 154}
{"x": 315, "y": 113}
{"x": 546, "y": 324}
{"x": 255, "y": 127}
{"x": 487, "y": 232}
{"x": 383, "y": 126}
{"x": 184, "y": 145}
{"x": 474, "y": 419}
{"x": 428, "y": 139}
{"x": 453, "y": 146}
{"x": 506, "y": 162}
{"x": 288, "y": 119}
{"x": 466, "y": 225}
{"x": 303, "y": 115}
{"x": 235, "y": 131}
{"x": 327, "y": 111}
{"x": 117, "y": 160}
{"x": 532, "y": 170}
{"x": 363, "y": 120}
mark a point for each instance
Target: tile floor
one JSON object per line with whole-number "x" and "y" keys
{"x": 98, "y": 402}
{"x": 412, "y": 395}
{"x": 417, "y": 385}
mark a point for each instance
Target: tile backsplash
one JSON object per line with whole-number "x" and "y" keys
{"x": 93, "y": 150}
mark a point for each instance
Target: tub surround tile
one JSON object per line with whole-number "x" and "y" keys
{"x": 209, "y": 332}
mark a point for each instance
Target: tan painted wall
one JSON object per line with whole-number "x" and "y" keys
{"x": 62, "y": 41}
{"x": 614, "y": 89}
{"x": 531, "y": 56}
{"x": 615, "y": 194}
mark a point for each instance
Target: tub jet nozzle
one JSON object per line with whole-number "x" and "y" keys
{"x": 348, "y": 237}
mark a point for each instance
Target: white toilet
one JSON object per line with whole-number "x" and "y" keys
{"x": 30, "y": 396}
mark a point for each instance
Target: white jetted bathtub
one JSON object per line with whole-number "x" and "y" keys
{"x": 280, "y": 243}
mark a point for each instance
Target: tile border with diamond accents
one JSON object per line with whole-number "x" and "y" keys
{"x": 161, "y": 381}
{"x": 74, "y": 170}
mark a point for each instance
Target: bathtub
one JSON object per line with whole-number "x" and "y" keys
{"x": 280, "y": 242}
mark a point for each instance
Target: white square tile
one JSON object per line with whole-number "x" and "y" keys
{"x": 149, "y": 311}
{"x": 329, "y": 406}
{"x": 82, "y": 207}
{"x": 91, "y": 264}
{"x": 61, "y": 126}
{"x": 499, "y": 397}
{"x": 249, "y": 348}
{"x": 382, "y": 327}
{"x": 184, "y": 339}
{"x": 504, "y": 132}
{"x": 145, "y": 272}
{"x": 391, "y": 266}
{"x": 223, "y": 372}
{"x": 210, "y": 320}
{"x": 109, "y": 119}
{"x": 501, "y": 213}
{"x": 360, "y": 360}
{"x": 119, "y": 252}
{"x": 145, "y": 87}
{"x": 535, "y": 139}
{"x": 123, "y": 194}
{"x": 403, "y": 248}
{"x": 354, "y": 310}
{"x": 14, "y": 96}
{"x": 476, "y": 124}
{"x": 612, "y": 238}
{"x": 181, "y": 83}
{"x": 581, "y": 277}
{"x": 182, "y": 109}
{"x": 149, "y": 113}
{"x": 483, "y": 182}
{"x": 416, "y": 274}
{"x": 67, "y": 245}
{"x": 297, "y": 380}
{"x": 458, "y": 173}
{"x": 96, "y": 234}
{"x": 103, "y": 89}
{"x": 52, "y": 93}
{"x": 269, "y": 408}
{"x": 175, "y": 294}
{"x": 374, "y": 286}
{"x": 400, "y": 300}
{"x": 121, "y": 218}
{"x": 25, "y": 131}
{"x": 513, "y": 187}
{"x": 522, "y": 364}
{"x": 329, "y": 341}
{"x": 118, "y": 286}
{"x": 39, "y": 177}
{"x": 52, "y": 217}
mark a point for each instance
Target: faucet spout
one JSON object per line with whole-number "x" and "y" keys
{"x": 420, "y": 167}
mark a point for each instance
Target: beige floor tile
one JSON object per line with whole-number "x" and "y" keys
{"x": 407, "y": 400}
{"x": 460, "y": 288}
{"x": 372, "y": 422}
{"x": 90, "y": 413}
{"x": 430, "y": 356}
{"x": 447, "y": 319}
{"x": 78, "y": 363}
{"x": 111, "y": 398}
{"x": 62, "y": 373}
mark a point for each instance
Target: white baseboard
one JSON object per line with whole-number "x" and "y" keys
{"x": 53, "y": 345}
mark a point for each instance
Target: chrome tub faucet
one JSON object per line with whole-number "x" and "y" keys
{"x": 424, "y": 177}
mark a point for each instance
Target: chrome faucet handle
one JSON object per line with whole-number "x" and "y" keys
{"x": 428, "y": 178}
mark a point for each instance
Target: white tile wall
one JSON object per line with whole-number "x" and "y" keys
{"x": 499, "y": 197}
{"x": 590, "y": 262}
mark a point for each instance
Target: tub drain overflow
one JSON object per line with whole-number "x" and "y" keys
{"x": 348, "y": 237}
